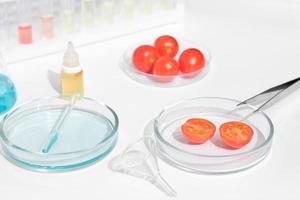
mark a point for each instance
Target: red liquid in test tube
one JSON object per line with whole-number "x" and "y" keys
{"x": 24, "y": 11}
{"x": 47, "y": 26}
{"x": 25, "y": 33}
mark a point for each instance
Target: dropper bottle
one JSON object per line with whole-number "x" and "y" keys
{"x": 72, "y": 73}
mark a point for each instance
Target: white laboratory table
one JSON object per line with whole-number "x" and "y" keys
{"x": 254, "y": 45}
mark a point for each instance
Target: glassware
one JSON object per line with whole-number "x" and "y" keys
{"x": 56, "y": 129}
{"x": 88, "y": 135}
{"x": 25, "y": 25}
{"x": 139, "y": 160}
{"x": 167, "y": 4}
{"x": 72, "y": 78}
{"x": 83, "y": 21}
{"x": 88, "y": 12}
{"x": 8, "y": 94}
{"x": 128, "y": 9}
{"x": 146, "y": 7}
{"x": 4, "y": 27}
{"x": 68, "y": 16}
{"x": 211, "y": 157}
{"x": 107, "y": 11}
{"x": 164, "y": 81}
{"x": 47, "y": 19}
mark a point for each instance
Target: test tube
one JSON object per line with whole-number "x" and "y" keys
{"x": 4, "y": 27}
{"x": 88, "y": 12}
{"x": 24, "y": 26}
{"x": 147, "y": 7}
{"x": 67, "y": 17}
{"x": 107, "y": 10}
{"x": 167, "y": 4}
{"x": 46, "y": 19}
{"x": 128, "y": 9}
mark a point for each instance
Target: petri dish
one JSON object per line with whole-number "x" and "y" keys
{"x": 88, "y": 134}
{"x": 212, "y": 157}
{"x": 164, "y": 81}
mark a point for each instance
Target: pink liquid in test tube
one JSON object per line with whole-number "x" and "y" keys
{"x": 47, "y": 26}
{"x": 25, "y": 33}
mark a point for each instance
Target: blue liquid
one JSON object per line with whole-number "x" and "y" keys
{"x": 8, "y": 94}
{"x": 81, "y": 131}
{"x": 77, "y": 145}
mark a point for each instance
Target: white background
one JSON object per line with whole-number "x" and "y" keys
{"x": 255, "y": 45}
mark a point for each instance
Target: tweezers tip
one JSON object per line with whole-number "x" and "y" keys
{"x": 242, "y": 103}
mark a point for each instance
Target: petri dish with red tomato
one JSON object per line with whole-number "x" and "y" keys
{"x": 203, "y": 135}
{"x": 166, "y": 61}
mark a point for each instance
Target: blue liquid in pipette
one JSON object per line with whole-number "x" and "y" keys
{"x": 8, "y": 95}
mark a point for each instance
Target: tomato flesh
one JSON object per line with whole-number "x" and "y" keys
{"x": 236, "y": 134}
{"x": 166, "y": 46}
{"x": 144, "y": 58}
{"x": 198, "y": 130}
{"x": 191, "y": 60}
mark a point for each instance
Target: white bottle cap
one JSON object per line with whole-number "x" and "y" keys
{"x": 71, "y": 63}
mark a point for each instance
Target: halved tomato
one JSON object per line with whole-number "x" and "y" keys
{"x": 198, "y": 130}
{"x": 236, "y": 134}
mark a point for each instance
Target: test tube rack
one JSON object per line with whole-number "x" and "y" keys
{"x": 33, "y": 28}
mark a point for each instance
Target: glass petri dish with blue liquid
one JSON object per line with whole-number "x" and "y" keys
{"x": 8, "y": 94}
{"x": 87, "y": 135}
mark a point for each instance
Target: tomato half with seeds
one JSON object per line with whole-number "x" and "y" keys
{"x": 236, "y": 134}
{"x": 198, "y": 130}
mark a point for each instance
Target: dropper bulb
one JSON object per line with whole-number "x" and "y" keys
{"x": 70, "y": 46}
{"x": 71, "y": 58}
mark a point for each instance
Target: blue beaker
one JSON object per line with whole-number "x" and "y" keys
{"x": 8, "y": 94}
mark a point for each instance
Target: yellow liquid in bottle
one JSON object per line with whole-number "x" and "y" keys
{"x": 72, "y": 83}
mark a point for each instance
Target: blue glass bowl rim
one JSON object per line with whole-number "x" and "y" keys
{"x": 10, "y": 113}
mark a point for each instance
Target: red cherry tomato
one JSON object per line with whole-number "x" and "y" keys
{"x": 144, "y": 58}
{"x": 236, "y": 134}
{"x": 166, "y": 46}
{"x": 191, "y": 60}
{"x": 166, "y": 68}
{"x": 197, "y": 130}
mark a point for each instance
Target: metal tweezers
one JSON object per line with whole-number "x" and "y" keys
{"x": 271, "y": 96}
